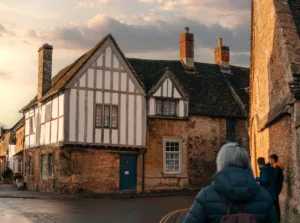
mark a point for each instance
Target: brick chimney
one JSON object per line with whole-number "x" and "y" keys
{"x": 222, "y": 55}
{"x": 45, "y": 69}
{"x": 187, "y": 48}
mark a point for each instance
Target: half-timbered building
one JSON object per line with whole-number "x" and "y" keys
{"x": 107, "y": 123}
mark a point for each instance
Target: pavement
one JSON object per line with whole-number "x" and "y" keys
{"x": 24, "y": 206}
{"x": 11, "y": 191}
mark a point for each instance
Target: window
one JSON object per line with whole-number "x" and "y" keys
{"x": 31, "y": 125}
{"x": 166, "y": 107}
{"x": 50, "y": 164}
{"x": 106, "y": 116}
{"x": 230, "y": 130}
{"x": 114, "y": 117}
{"x": 30, "y": 166}
{"x": 48, "y": 113}
{"x": 172, "y": 155}
{"x": 44, "y": 167}
{"x": 99, "y": 116}
{"x": 19, "y": 166}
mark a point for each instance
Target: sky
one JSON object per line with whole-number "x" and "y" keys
{"x": 142, "y": 28}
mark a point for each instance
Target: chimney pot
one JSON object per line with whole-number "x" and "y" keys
{"x": 187, "y": 29}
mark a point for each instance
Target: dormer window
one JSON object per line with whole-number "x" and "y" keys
{"x": 166, "y": 107}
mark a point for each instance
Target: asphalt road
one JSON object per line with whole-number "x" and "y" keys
{"x": 130, "y": 210}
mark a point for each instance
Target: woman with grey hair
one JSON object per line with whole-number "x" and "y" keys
{"x": 233, "y": 191}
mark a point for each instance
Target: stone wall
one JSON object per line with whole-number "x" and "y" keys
{"x": 155, "y": 179}
{"x": 206, "y": 136}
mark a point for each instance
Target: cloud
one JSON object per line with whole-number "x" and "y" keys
{"x": 30, "y": 33}
{"x": 2, "y": 29}
{"x": 91, "y": 3}
{"x": 170, "y": 5}
{"x": 161, "y": 35}
{"x": 150, "y": 1}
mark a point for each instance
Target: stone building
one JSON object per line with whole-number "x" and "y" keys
{"x": 107, "y": 123}
{"x": 275, "y": 88}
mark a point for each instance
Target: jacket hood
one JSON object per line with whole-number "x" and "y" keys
{"x": 236, "y": 184}
{"x": 280, "y": 165}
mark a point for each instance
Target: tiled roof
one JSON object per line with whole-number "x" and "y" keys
{"x": 62, "y": 78}
{"x": 295, "y": 8}
{"x": 207, "y": 88}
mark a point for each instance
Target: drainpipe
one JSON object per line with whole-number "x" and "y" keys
{"x": 147, "y": 97}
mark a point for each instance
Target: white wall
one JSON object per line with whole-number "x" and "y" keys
{"x": 45, "y": 133}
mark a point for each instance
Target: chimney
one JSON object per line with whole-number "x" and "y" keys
{"x": 222, "y": 55}
{"x": 45, "y": 69}
{"x": 187, "y": 49}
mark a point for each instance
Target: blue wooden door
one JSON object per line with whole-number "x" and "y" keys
{"x": 128, "y": 172}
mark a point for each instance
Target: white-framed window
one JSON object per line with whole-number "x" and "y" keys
{"x": 50, "y": 164}
{"x": 18, "y": 167}
{"x": 172, "y": 155}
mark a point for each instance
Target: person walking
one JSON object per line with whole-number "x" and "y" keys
{"x": 277, "y": 180}
{"x": 266, "y": 174}
{"x": 233, "y": 193}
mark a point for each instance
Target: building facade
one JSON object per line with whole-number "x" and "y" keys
{"x": 107, "y": 123}
{"x": 274, "y": 87}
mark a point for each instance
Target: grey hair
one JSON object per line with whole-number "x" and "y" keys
{"x": 233, "y": 155}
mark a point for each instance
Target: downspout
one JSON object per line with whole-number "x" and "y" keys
{"x": 147, "y": 97}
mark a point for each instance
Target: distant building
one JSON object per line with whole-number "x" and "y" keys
{"x": 107, "y": 123}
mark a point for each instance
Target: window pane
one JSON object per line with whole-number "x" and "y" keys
{"x": 173, "y": 108}
{"x": 106, "y": 116}
{"x": 44, "y": 167}
{"x": 50, "y": 160}
{"x": 166, "y": 107}
{"x": 98, "y": 116}
{"x": 158, "y": 107}
{"x": 172, "y": 157}
{"x": 114, "y": 117}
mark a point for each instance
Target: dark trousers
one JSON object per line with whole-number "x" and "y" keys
{"x": 277, "y": 206}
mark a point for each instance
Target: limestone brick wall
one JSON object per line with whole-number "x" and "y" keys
{"x": 206, "y": 136}
{"x": 155, "y": 179}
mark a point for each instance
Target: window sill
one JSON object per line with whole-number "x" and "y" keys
{"x": 173, "y": 175}
{"x": 168, "y": 117}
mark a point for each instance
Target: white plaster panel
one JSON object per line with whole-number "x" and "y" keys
{"x": 114, "y": 137}
{"x": 106, "y": 136}
{"x": 54, "y": 131}
{"x": 47, "y": 133}
{"x": 55, "y": 107}
{"x": 107, "y": 80}
{"x": 27, "y": 127}
{"x": 90, "y": 116}
{"x": 61, "y": 105}
{"x": 116, "y": 81}
{"x": 99, "y": 97}
{"x": 82, "y": 81}
{"x": 99, "y": 84}
{"x": 131, "y": 86}
{"x": 27, "y": 144}
{"x": 26, "y": 115}
{"x": 100, "y": 61}
{"x": 108, "y": 57}
{"x": 165, "y": 88}
{"x": 91, "y": 74}
{"x": 72, "y": 129}
{"x": 131, "y": 118}
{"x": 157, "y": 93}
{"x": 43, "y": 109}
{"x": 152, "y": 106}
{"x": 81, "y": 127}
{"x": 98, "y": 135}
{"x": 107, "y": 98}
{"x": 31, "y": 112}
{"x": 139, "y": 120}
{"x": 170, "y": 86}
{"x": 123, "y": 81}
{"x": 176, "y": 94}
{"x": 42, "y": 137}
{"x": 181, "y": 108}
{"x": 123, "y": 116}
{"x": 60, "y": 129}
{"x": 116, "y": 62}
{"x": 32, "y": 141}
{"x": 115, "y": 98}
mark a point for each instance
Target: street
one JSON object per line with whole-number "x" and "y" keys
{"x": 129, "y": 210}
